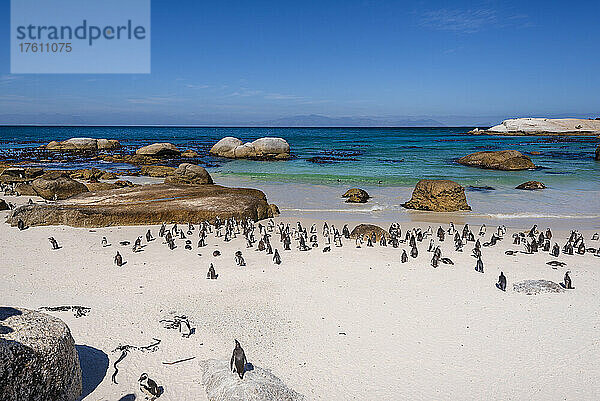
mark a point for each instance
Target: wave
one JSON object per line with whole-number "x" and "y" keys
{"x": 539, "y": 216}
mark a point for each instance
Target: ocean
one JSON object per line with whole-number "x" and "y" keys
{"x": 387, "y": 162}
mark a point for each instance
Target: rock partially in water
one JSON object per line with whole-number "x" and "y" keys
{"x": 57, "y": 185}
{"x": 189, "y": 154}
{"x": 356, "y": 195}
{"x": 368, "y": 230}
{"x": 534, "y": 287}
{"x": 258, "y": 384}
{"x": 531, "y": 185}
{"x": 546, "y": 126}
{"x": 38, "y": 359}
{"x": 83, "y": 144}
{"x": 262, "y": 149}
{"x": 159, "y": 150}
{"x": 483, "y": 188}
{"x": 507, "y": 160}
{"x": 438, "y": 196}
{"x": 188, "y": 173}
{"x": 146, "y": 205}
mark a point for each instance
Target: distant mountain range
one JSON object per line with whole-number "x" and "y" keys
{"x": 316, "y": 120}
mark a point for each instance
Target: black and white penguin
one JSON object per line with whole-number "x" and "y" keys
{"x": 149, "y": 236}
{"x": 238, "y": 360}
{"x": 568, "y": 285}
{"x": 277, "y": 258}
{"x": 211, "y": 274}
{"x": 404, "y": 257}
{"x": 54, "y": 243}
{"x": 149, "y": 387}
{"x": 501, "y": 284}
{"x": 414, "y": 252}
{"x": 479, "y": 266}
{"x": 118, "y": 259}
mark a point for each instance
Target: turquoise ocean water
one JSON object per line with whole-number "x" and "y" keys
{"x": 385, "y": 161}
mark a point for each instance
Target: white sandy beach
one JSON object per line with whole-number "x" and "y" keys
{"x": 349, "y": 324}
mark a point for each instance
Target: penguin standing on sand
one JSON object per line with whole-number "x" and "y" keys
{"x": 238, "y": 360}
{"x": 148, "y": 387}
{"x": 501, "y": 284}
{"x": 118, "y": 259}
{"x": 149, "y": 236}
{"x": 211, "y": 274}
{"x": 404, "y": 257}
{"x": 54, "y": 243}
{"x": 479, "y": 266}
{"x": 276, "y": 257}
{"x": 568, "y": 285}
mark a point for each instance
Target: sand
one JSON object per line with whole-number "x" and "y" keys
{"x": 349, "y": 324}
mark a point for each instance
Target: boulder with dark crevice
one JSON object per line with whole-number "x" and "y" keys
{"x": 38, "y": 359}
{"x": 159, "y": 150}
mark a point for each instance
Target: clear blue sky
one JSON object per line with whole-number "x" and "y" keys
{"x": 241, "y": 61}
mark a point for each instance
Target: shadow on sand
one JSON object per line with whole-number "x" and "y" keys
{"x": 94, "y": 365}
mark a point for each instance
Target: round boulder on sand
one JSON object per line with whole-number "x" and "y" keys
{"x": 368, "y": 230}
{"x": 498, "y": 160}
{"x": 356, "y": 195}
{"x": 188, "y": 173}
{"x": 163, "y": 149}
{"x": 534, "y": 287}
{"x": 38, "y": 359}
{"x": 57, "y": 185}
{"x": 531, "y": 185}
{"x": 438, "y": 196}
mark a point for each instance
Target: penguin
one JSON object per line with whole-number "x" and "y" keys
{"x": 118, "y": 259}
{"x": 161, "y": 231}
{"x": 482, "y": 230}
{"x": 501, "y": 284}
{"x": 435, "y": 261}
{"x": 21, "y": 225}
{"x": 211, "y": 274}
{"x": 414, "y": 252}
{"x": 595, "y": 237}
{"x": 327, "y": 249}
{"x": 238, "y": 360}
{"x": 447, "y": 261}
{"x": 149, "y": 236}
{"x": 239, "y": 259}
{"x": 148, "y": 387}
{"x": 479, "y": 266}
{"x": 567, "y": 283}
{"x": 137, "y": 246}
{"x": 216, "y": 253}
{"x": 404, "y": 257}
{"x": 276, "y": 258}
{"x": 105, "y": 242}
{"x": 555, "y": 250}
{"x": 54, "y": 243}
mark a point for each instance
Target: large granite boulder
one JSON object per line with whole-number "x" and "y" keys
{"x": 38, "y": 359}
{"x": 146, "y": 205}
{"x": 531, "y": 185}
{"x": 438, "y": 196}
{"x": 356, "y": 195}
{"x": 188, "y": 173}
{"x": 25, "y": 189}
{"x": 92, "y": 174}
{"x": 83, "y": 144}
{"x": 534, "y": 287}
{"x": 597, "y": 156}
{"x": 157, "y": 171}
{"x": 261, "y": 149}
{"x": 258, "y": 384}
{"x": 368, "y": 230}
{"x": 546, "y": 126}
{"x": 105, "y": 186}
{"x": 498, "y": 160}
{"x": 226, "y": 147}
{"x": 57, "y": 185}
{"x": 159, "y": 150}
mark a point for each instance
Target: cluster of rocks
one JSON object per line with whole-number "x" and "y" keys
{"x": 82, "y": 145}
{"x": 261, "y": 149}
{"x": 508, "y": 160}
{"x": 38, "y": 358}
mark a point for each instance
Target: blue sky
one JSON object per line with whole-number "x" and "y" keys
{"x": 233, "y": 62}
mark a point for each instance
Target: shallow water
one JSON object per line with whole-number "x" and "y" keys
{"x": 387, "y": 162}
